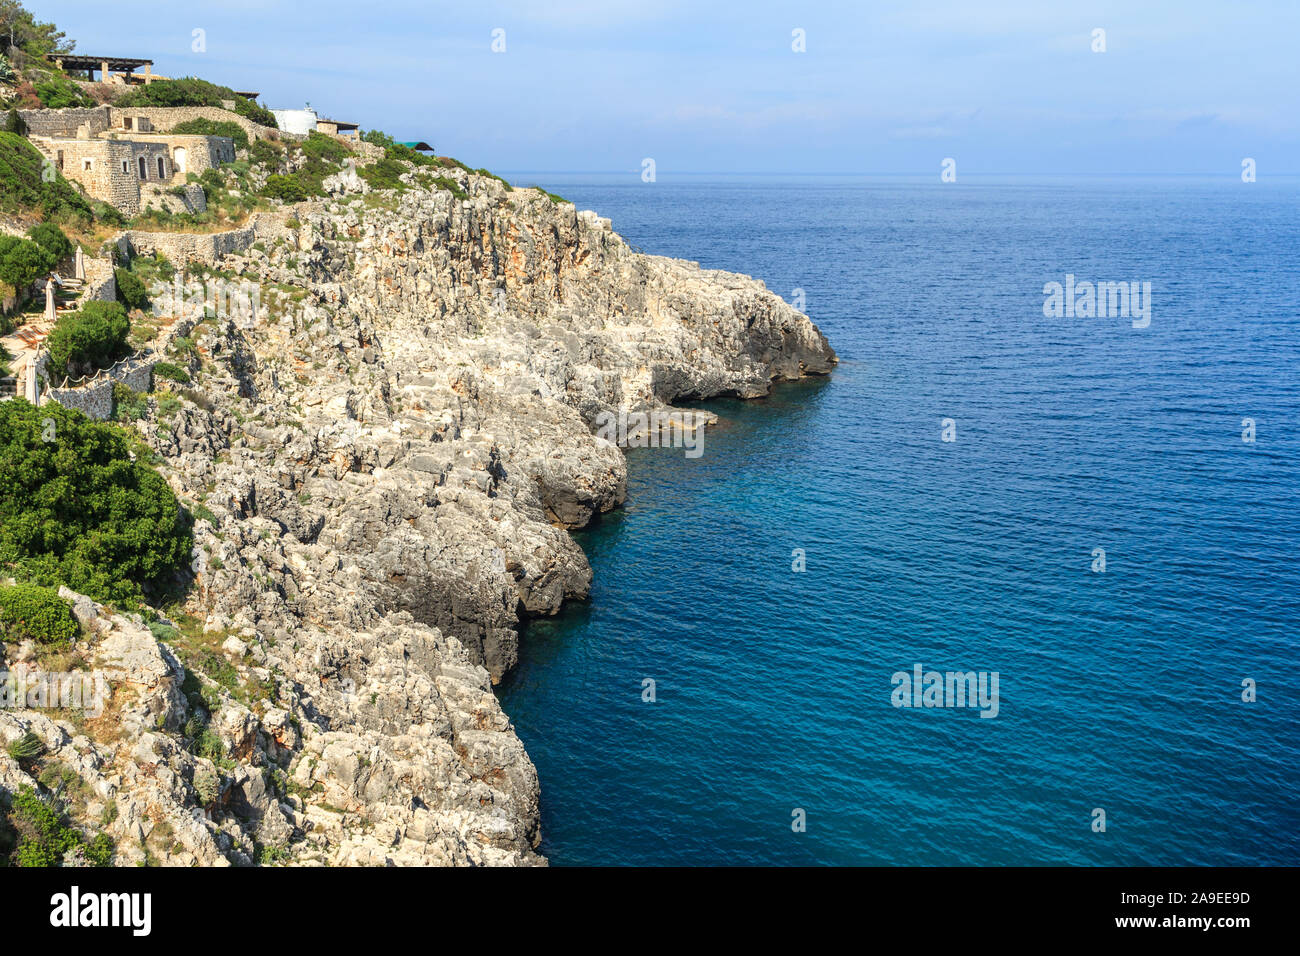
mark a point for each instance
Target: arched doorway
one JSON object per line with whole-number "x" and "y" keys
{"x": 178, "y": 160}
{"x": 144, "y": 168}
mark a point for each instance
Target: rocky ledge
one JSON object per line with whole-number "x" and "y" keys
{"x": 385, "y": 455}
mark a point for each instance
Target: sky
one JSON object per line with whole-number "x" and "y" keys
{"x": 1011, "y": 87}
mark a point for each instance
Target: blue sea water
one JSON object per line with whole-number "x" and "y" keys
{"x": 1119, "y": 690}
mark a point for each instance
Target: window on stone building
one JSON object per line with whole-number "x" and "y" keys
{"x": 59, "y": 159}
{"x": 144, "y": 168}
{"x": 87, "y": 165}
{"x": 162, "y": 170}
{"x": 126, "y": 167}
{"x": 126, "y": 122}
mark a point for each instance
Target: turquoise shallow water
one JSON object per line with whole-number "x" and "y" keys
{"x": 1118, "y": 690}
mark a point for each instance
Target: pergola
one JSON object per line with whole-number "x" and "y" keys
{"x": 105, "y": 65}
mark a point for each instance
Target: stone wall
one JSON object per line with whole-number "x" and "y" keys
{"x": 101, "y": 282}
{"x": 190, "y": 199}
{"x": 95, "y": 397}
{"x": 52, "y": 123}
{"x": 163, "y": 118}
{"x": 180, "y": 247}
{"x": 95, "y": 400}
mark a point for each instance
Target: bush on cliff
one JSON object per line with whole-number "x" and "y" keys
{"x": 24, "y": 187}
{"x": 171, "y": 372}
{"x": 207, "y": 127}
{"x": 33, "y": 833}
{"x": 130, "y": 290}
{"x": 75, "y": 509}
{"x": 384, "y": 174}
{"x": 191, "y": 91}
{"x": 289, "y": 188}
{"x": 85, "y": 341}
{"x": 52, "y": 239}
{"x": 57, "y": 92}
{"x": 30, "y": 612}
{"x": 322, "y": 148}
{"x": 22, "y": 262}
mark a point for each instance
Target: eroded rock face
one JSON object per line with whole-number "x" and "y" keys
{"x": 389, "y": 455}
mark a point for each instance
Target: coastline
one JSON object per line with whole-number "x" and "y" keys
{"x": 384, "y": 460}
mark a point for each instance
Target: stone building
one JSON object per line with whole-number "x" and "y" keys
{"x": 114, "y": 168}
{"x": 123, "y": 156}
{"x": 348, "y": 131}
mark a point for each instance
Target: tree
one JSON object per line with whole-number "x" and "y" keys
{"x": 85, "y": 341}
{"x": 75, "y": 509}
{"x": 19, "y": 29}
{"x": 15, "y": 123}
{"x": 22, "y": 262}
{"x": 51, "y": 238}
{"x": 130, "y": 290}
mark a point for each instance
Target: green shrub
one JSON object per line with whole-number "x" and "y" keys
{"x": 24, "y": 188}
{"x": 83, "y": 342}
{"x": 58, "y": 92}
{"x": 35, "y": 834}
{"x": 207, "y": 785}
{"x": 128, "y": 404}
{"x": 130, "y": 290}
{"x": 26, "y": 748}
{"x": 324, "y": 148}
{"x": 15, "y": 123}
{"x": 453, "y": 187}
{"x": 190, "y": 91}
{"x": 173, "y": 373}
{"x": 109, "y": 215}
{"x": 207, "y": 127}
{"x": 267, "y": 154}
{"x": 287, "y": 188}
{"x": 51, "y": 238}
{"x": 168, "y": 406}
{"x": 22, "y": 262}
{"x": 384, "y": 174}
{"x": 75, "y": 508}
{"x": 208, "y": 744}
{"x": 30, "y": 612}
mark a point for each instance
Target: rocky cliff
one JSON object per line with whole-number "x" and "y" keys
{"x": 386, "y": 453}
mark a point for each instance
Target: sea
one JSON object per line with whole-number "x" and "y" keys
{"x": 1094, "y": 513}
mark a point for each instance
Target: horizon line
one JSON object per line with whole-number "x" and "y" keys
{"x": 715, "y": 172}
